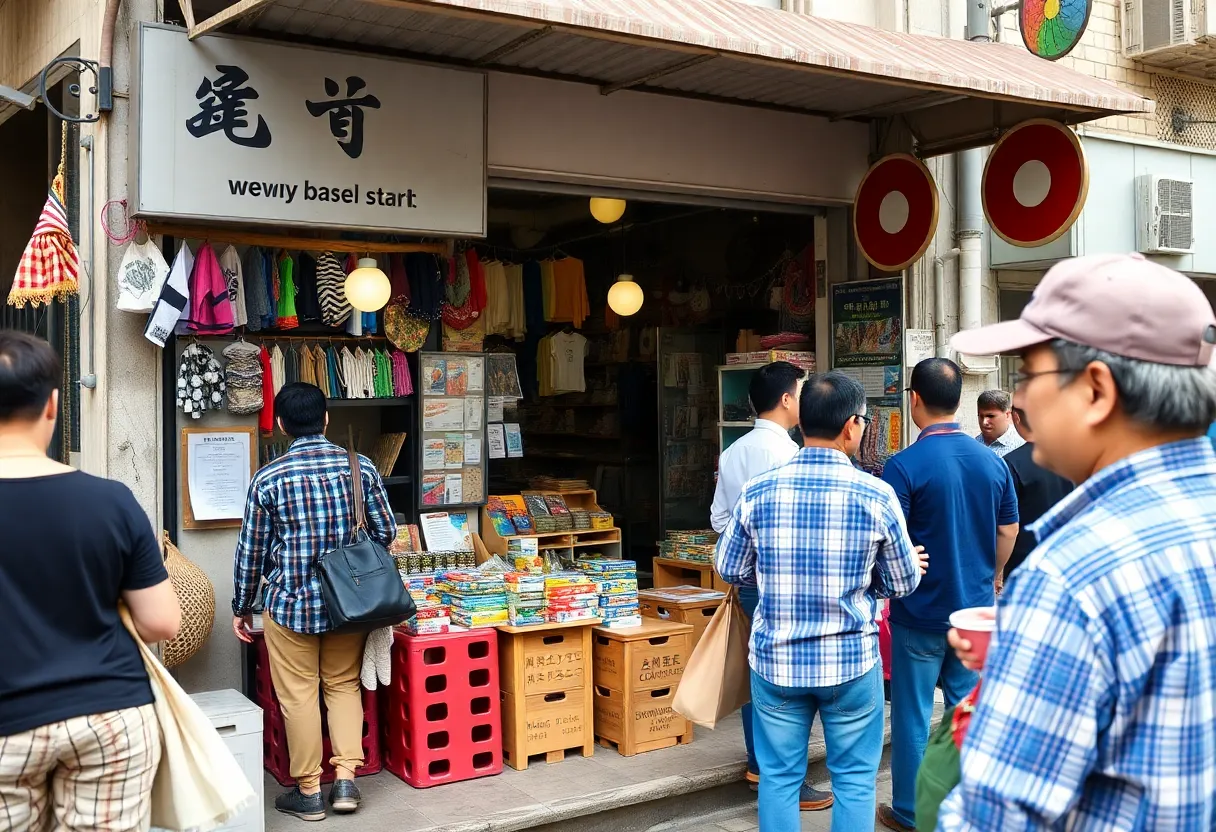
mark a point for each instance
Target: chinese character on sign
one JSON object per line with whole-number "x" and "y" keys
{"x": 222, "y": 107}
{"x": 345, "y": 114}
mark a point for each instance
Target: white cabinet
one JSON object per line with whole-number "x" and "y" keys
{"x": 239, "y": 722}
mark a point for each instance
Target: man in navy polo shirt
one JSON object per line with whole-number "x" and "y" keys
{"x": 960, "y": 504}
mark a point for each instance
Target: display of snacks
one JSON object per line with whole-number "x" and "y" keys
{"x": 476, "y": 599}
{"x": 692, "y": 546}
{"x": 433, "y": 618}
{"x": 600, "y": 520}
{"x": 547, "y": 524}
{"x": 580, "y": 518}
{"x": 617, "y": 588}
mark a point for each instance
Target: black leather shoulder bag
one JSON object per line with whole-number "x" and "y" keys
{"x": 359, "y": 581}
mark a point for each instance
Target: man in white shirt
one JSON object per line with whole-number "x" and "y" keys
{"x": 996, "y": 422}
{"x": 774, "y": 395}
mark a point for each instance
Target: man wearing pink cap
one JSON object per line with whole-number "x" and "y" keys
{"x": 1098, "y": 707}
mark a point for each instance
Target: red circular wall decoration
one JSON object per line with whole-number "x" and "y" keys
{"x": 1035, "y": 183}
{"x": 895, "y": 212}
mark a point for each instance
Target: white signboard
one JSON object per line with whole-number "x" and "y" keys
{"x": 230, "y": 129}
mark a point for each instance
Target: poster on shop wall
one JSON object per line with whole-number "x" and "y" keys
{"x": 230, "y": 129}
{"x": 867, "y": 344}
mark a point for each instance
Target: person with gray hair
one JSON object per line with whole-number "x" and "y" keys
{"x": 1096, "y": 706}
{"x": 994, "y": 408}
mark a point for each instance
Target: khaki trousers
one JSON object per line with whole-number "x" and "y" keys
{"x": 86, "y": 774}
{"x": 299, "y": 665}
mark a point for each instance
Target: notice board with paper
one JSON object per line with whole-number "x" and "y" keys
{"x": 217, "y": 465}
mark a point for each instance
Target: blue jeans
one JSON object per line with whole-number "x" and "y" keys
{"x": 920, "y": 659}
{"x": 749, "y": 598}
{"x": 852, "y": 726}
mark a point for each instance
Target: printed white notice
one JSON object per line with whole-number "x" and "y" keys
{"x": 477, "y": 375}
{"x": 472, "y": 449}
{"x": 498, "y": 441}
{"x": 918, "y": 345}
{"x": 496, "y": 408}
{"x": 474, "y": 406}
{"x": 454, "y": 489}
{"x": 219, "y": 474}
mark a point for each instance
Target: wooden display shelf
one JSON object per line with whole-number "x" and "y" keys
{"x": 676, "y": 572}
{"x": 582, "y": 500}
{"x": 684, "y": 605}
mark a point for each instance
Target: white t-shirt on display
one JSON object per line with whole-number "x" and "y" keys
{"x": 569, "y": 350}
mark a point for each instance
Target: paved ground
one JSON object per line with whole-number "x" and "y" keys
{"x": 745, "y": 820}
{"x": 661, "y": 784}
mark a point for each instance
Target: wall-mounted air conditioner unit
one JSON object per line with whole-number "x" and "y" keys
{"x": 1153, "y": 26}
{"x": 1165, "y": 222}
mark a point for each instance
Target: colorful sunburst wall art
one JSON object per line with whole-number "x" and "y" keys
{"x": 1051, "y": 28}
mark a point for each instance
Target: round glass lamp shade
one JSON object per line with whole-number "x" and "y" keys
{"x": 607, "y": 210}
{"x": 625, "y": 297}
{"x": 367, "y": 287}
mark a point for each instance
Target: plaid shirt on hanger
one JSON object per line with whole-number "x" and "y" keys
{"x": 1099, "y": 704}
{"x": 300, "y": 506}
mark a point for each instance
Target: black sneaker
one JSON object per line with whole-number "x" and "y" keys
{"x": 309, "y": 807}
{"x": 345, "y": 797}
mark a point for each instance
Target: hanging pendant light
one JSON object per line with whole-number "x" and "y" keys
{"x": 607, "y": 210}
{"x": 367, "y": 287}
{"x": 625, "y": 297}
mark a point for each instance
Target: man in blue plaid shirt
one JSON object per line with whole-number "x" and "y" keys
{"x": 1098, "y": 704}
{"x": 823, "y": 542}
{"x": 301, "y": 506}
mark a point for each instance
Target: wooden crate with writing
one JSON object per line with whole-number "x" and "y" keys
{"x": 641, "y": 658}
{"x": 639, "y": 721}
{"x": 545, "y": 676}
{"x": 682, "y": 604}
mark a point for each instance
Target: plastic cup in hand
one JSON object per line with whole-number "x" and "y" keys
{"x": 976, "y": 625}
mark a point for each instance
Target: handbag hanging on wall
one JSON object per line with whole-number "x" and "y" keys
{"x": 359, "y": 581}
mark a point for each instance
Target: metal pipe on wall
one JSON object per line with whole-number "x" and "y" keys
{"x": 970, "y": 228}
{"x": 941, "y": 342}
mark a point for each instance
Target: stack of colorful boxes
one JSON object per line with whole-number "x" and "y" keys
{"x": 618, "y": 590}
{"x": 525, "y": 598}
{"x": 570, "y": 596}
{"x": 433, "y": 616}
{"x": 476, "y": 599}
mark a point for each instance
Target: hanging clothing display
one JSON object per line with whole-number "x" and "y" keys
{"x": 331, "y": 290}
{"x": 277, "y": 372}
{"x": 426, "y": 285}
{"x": 516, "y": 323}
{"x": 141, "y": 276}
{"x": 308, "y": 304}
{"x": 559, "y": 363}
{"x": 403, "y": 384}
{"x": 570, "y": 301}
{"x": 266, "y": 417}
{"x": 174, "y": 299}
{"x": 257, "y": 304}
{"x": 287, "y": 292}
{"x": 272, "y": 285}
{"x": 210, "y": 306}
{"x": 230, "y": 265}
{"x": 498, "y": 299}
{"x": 243, "y": 375}
{"x": 50, "y": 264}
{"x": 200, "y": 381}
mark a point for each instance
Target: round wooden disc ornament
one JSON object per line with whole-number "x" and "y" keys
{"x": 1051, "y": 28}
{"x": 1035, "y": 183}
{"x": 895, "y": 212}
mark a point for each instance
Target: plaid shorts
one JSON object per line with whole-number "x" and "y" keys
{"x": 87, "y": 773}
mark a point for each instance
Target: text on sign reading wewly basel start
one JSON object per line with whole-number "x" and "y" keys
{"x": 321, "y": 193}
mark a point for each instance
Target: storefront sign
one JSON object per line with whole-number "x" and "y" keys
{"x": 867, "y": 344}
{"x": 229, "y": 129}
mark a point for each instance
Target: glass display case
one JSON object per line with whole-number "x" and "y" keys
{"x": 452, "y": 429}
{"x": 688, "y": 429}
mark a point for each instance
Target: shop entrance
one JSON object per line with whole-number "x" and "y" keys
{"x": 640, "y": 424}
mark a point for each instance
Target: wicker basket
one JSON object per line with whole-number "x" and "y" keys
{"x": 197, "y": 598}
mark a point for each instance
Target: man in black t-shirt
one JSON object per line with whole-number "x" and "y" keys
{"x": 1037, "y": 488}
{"x": 79, "y": 739}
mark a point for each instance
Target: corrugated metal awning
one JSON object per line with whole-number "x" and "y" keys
{"x": 952, "y": 94}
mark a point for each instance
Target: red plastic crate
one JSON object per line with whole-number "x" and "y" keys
{"x": 443, "y": 721}
{"x": 274, "y": 732}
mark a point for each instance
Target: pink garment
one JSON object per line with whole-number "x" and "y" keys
{"x": 403, "y": 385}
{"x": 210, "y": 305}
{"x": 884, "y": 639}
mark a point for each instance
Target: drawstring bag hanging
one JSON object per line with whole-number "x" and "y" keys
{"x": 50, "y": 265}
